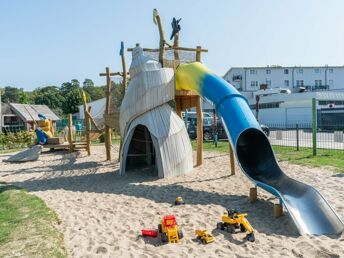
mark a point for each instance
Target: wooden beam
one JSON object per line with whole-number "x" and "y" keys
{"x": 107, "y": 111}
{"x": 93, "y": 122}
{"x": 171, "y": 48}
{"x": 110, "y": 74}
{"x": 114, "y": 74}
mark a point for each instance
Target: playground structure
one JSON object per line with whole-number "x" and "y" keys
{"x": 144, "y": 113}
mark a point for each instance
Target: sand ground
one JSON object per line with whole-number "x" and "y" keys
{"x": 102, "y": 213}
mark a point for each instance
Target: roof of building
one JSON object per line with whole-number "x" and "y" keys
{"x": 281, "y": 67}
{"x": 321, "y": 95}
{"x": 29, "y": 112}
{"x": 6, "y": 109}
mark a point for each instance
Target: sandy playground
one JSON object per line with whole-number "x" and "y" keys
{"x": 102, "y": 213}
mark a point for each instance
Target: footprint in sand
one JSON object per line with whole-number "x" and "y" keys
{"x": 306, "y": 249}
{"x": 101, "y": 250}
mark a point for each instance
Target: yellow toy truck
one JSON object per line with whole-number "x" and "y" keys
{"x": 204, "y": 236}
{"x": 169, "y": 230}
{"x": 232, "y": 220}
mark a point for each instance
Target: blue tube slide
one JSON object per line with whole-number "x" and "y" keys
{"x": 309, "y": 210}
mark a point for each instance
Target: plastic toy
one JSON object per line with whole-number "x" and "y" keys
{"x": 179, "y": 201}
{"x": 169, "y": 230}
{"x": 204, "y": 236}
{"x": 149, "y": 232}
{"x": 232, "y": 220}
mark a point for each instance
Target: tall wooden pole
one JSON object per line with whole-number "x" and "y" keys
{"x": 199, "y": 119}
{"x": 107, "y": 112}
{"x": 87, "y": 123}
{"x": 162, "y": 36}
{"x": 124, "y": 87}
{"x": 176, "y": 44}
{"x": 70, "y": 131}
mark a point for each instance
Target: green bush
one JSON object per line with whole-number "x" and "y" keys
{"x": 16, "y": 140}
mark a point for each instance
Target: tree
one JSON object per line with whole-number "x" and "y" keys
{"x": 50, "y": 96}
{"x": 14, "y": 95}
{"x": 23, "y": 97}
{"x": 69, "y": 86}
{"x": 72, "y": 100}
{"x": 93, "y": 93}
{"x": 117, "y": 94}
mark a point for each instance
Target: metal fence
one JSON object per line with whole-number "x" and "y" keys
{"x": 327, "y": 137}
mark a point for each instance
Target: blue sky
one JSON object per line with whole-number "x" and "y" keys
{"x": 49, "y": 42}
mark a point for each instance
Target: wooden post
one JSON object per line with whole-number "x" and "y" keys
{"x": 198, "y": 53}
{"x": 199, "y": 119}
{"x": 124, "y": 87}
{"x": 278, "y": 210}
{"x": 199, "y": 131}
{"x": 88, "y": 129}
{"x": 176, "y": 45}
{"x": 124, "y": 69}
{"x": 70, "y": 131}
{"x": 232, "y": 161}
{"x": 162, "y": 37}
{"x": 253, "y": 194}
{"x": 179, "y": 109}
{"x": 87, "y": 123}
{"x": 107, "y": 112}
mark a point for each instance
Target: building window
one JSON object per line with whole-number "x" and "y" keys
{"x": 252, "y": 71}
{"x": 286, "y": 71}
{"x": 286, "y": 83}
{"x": 300, "y": 70}
{"x": 330, "y": 70}
{"x": 268, "y": 71}
{"x": 317, "y": 70}
{"x": 254, "y": 84}
{"x": 318, "y": 83}
{"x": 330, "y": 82}
{"x": 268, "y": 82}
{"x": 299, "y": 83}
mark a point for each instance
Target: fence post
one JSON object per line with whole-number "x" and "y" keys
{"x": 314, "y": 120}
{"x": 297, "y": 138}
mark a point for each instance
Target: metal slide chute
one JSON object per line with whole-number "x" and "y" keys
{"x": 309, "y": 210}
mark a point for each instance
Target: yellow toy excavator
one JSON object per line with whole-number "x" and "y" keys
{"x": 232, "y": 220}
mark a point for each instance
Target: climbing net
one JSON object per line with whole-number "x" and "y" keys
{"x": 173, "y": 55}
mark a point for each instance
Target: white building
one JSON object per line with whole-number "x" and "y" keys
{"x": 312, "y": 78}
{"x": 280, "y": 110}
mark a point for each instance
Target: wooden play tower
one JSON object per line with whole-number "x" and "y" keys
{"x": 169, "y": 56}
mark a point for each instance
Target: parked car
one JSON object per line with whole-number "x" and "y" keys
{"x": 208, "y": 129}
{"x": 265, "y": 129}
